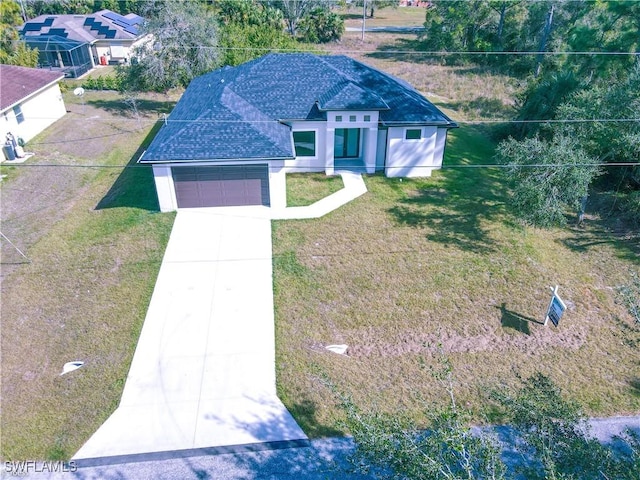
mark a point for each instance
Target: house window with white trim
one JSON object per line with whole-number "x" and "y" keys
{"x": 17, "y": 111}
{"x": 352, "y": 118}
{"x": 305, "y": 143}
{"x": 413, "y": 134}
{"x": 367, "y": 118}
{"x": 338, "y": 118}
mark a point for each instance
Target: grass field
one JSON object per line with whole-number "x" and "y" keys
{"x": 306, "y": 188}
{"x": 419, "y": 267}
{"x": 94, "y": 243}
{"x": 386, "y": 17}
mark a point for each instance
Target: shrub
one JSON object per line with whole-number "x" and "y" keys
{"x": 108, "y": 82}
{"x": 321, "y": 26}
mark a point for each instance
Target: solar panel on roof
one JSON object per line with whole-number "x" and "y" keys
{"x": 111, "y": 34}
{"x": 48, "y": 21}
{"x": 32, "y": 27}
{"x": 111, "y": 15}
{"x": 58, "y": 31}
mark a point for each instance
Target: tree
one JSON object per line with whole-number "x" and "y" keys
{"x": 458, "y": 25}
{"x": 12, "y": 50}
{"x": 321, "y": 26}
{"x": 294, "y": 10}
{"x": 183, "y": 46}
{"x": 36, "y": 8}
{"x": 395, "y": 448}
{"x": 549, "y": 430}
{"x": 548, "y": 177}
{"x": 249, "y": 29}
{"x": 554, "y": 433}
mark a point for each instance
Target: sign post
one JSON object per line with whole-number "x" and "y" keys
{"x": 556, "y": 308}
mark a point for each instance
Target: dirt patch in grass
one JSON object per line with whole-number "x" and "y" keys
{"x": 92, "y": 267}
{"x": 86, "y": 141}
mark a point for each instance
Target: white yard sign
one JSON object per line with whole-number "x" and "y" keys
{"x": 556, "y": 308}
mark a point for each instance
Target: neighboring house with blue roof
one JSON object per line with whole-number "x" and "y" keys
{"x": 237, "y": 131}
{"x": 111, "y": 37}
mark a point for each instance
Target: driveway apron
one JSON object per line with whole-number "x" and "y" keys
{"x": 203, "y": 373}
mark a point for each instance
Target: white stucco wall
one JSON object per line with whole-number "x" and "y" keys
{"x": 39, "y": 110}
{"x": 318, "y": 161}
{"x": 414, "y": 158}
{"x": 165, "y": 188}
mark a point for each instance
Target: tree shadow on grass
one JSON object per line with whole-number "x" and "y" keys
{"x": 458, "y": 208}
{"x": 604, "y": 226}
{"x": 146, "y": 107}
{"x": 135, "y": 186}
{"x": 305, "y": 414}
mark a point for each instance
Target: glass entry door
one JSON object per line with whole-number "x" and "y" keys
{"x": 347, "y": 143}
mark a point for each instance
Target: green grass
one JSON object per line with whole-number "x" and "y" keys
{"x": 386, "y": 17}
{"x": 85, "y": 292}
{"x": 307, "y": 188}
{"x": 416, "y": 267}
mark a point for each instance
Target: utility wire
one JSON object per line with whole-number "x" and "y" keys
{"x": 391, "y": 123}
{"x": 311, "y": 169}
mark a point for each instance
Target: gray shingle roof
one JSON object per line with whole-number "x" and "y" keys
{"x": 236, "y": 113}
{"x": 18, "y": 83}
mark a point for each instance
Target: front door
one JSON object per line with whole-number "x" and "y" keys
{"x": 347, "y": 143}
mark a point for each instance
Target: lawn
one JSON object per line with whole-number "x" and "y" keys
{"x": 94, "y": 241}
{"x": 417, "y": 268}
{"x": 385, "y": 17}
{"x": 306, "y": 188}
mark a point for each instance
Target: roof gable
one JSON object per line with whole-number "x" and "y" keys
{"x": 349, "y": 96}
{"x": 19, "y": 83}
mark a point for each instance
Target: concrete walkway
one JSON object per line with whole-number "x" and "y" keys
{"x": 203, "y": 373}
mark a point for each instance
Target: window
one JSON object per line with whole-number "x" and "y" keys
{"x": 367, "y": 118}
{"x": 352, "y": 118}
{"x": 413, "y": 134}
{"x": 338, "y": 118}
{"x": 18, "y": 113}
{"x": 305, "y": 143}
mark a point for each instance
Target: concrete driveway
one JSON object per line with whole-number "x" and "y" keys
{"x": 203, "y": 373}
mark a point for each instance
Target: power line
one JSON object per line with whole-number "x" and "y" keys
{"x": 391, "y": 124}
{"x": 232, "y": 162}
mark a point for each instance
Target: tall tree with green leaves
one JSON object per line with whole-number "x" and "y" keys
{"x": 458, "y": 25}
{"x": 548, "y": 178}
{"x": 321, "y": 25}
{"x": 295, "y": 10}
{"x": 183, "y": 44}
{"x": 12, "y": 50}
{"x": 249, "y": 29}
